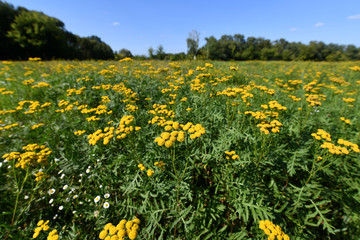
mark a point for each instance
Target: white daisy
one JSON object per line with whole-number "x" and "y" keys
{"x": 106, "y": 205}
{"x": 51, "y": 191}
{"x": 106, "y": 195}
{"x": 65, "y": 187}
{"x": 61, "y": 208}
{"x": 51, "y": 201}
{"x": 97, "y": 199}
{"x": 75, "y": 196}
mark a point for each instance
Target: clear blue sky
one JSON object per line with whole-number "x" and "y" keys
{"x": 140, "y": 24}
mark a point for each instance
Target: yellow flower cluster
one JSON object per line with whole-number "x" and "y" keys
{"x": 231, "y": 155}
{"x": 28, "y": 82}
{"x": 92, "y": 118}
{"x": 149, "y": 172}
{"x": 257, "y": 114}
{"x": 53, "y": 235}
{"x": 348, "y": 100}
{"x": 3, "y": 112}
{"x": 34, "y": 106}
{"x": 30, "y": 156}
{"x": 163, "y": 112}
{"x": 121, "y": 131}
{"x": 276, "y": 105}
{"x": 234, "y": 68}
{"x": 76, "y": 91}
{"x": 355, "y": 68}
{"x": 315, "y": 100}
{"x": 41, "y": 225}
{"x": 105, "y": 99}
{"x": 120, "y": 231}
{"x": 80, "y": 132}
{"x": 233, "y": 92}
{"x": 41, "y": 84}
{"x": 127, "y": 59}
{"x": 345, "y": 120}
{"x": 272, "y": 230}
{"x": 296, "y": 99}
{"x": 321, "y": 134}
{"x": 40, "y": 175}
{"x": 195, "y": 130}
{"x": 141, "y": 166}
{"x": 168, "y": 138}
{"x": 209, "y": 65}
{"x": 36, "y": 126}
{"x": 353, "y": 146}
{"x": 34, "y": 59}
{"x": 160, "y": 165}
{"x": 333, "y": 149}
{"x": 9, "y": 126}
{"x": 197, "y": 86}
{"x": 273, "y": 126}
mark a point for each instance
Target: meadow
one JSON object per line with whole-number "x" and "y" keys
{"x": 179, "y": 150}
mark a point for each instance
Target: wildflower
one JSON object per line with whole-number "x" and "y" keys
{"x": 103, "y": 234}
{"x": 51, "y": 191}
{"x": 150, "y": 172}
{"x": 97, "y": 199}
{"x": 61, "y": 208}
{"x": 106, "y": 205}
{"x": 65, "y": 187}
{"x": 106, "y": 195}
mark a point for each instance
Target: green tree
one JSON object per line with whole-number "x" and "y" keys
{"x": 160, "y": 53}
{"x": 151, "y": 53}
{"x": 7, "y": 15}
{"x": 38, "y": 34}
{"x": 123, "y": 53}
{"x": 193, "y": 44}
{"x": 93, "y": 48}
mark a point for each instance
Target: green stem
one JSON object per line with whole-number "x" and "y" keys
{"x": 18, "y": 194}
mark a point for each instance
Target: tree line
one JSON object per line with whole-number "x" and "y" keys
{"x": 237, "y": 47}
{"x": 25, "y": 33}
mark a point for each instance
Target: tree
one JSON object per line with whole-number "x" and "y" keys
{"x": 193, "y": 43}
{"x": 8, "y": 49}
{"x": 93, "y": 48}
{"x": 123, "y": 53}
{"x": 160, "y": 53}
{"x": 37, "y": 33}
{"x": 151, "y": 53}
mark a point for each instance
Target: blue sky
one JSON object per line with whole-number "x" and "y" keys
{"x": 140, "y": 24}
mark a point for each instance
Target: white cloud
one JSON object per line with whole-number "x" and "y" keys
{"x": 354, "y": 17}
{"x": 115, "y": 23}
{"x": 319, "y": 24}
{"x": 293, "y": 29}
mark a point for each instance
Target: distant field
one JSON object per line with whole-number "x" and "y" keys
{"x": 179, "y": 150}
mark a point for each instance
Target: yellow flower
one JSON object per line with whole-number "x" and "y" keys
{"x": 36, "y": 234}
{"x": 130, "y": 223}
{"x": 132, "y": 235}
{"x": 103, "y": 234}
{"x": 149, "y": 173}
{"x": 112, "y": 230}
{"x": 168, "y": 144}
{"x": 121, "y": 233}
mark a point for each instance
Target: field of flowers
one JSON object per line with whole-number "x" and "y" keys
{"x": 187, "y": 150}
